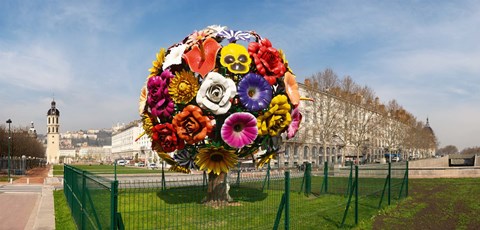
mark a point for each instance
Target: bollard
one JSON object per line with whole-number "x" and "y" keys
{"x": 28, "y": 180}
{"x": 11, "y": 180}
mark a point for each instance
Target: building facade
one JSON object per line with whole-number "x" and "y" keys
{"x": 336, "y": 130}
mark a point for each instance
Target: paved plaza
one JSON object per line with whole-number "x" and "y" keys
{"x": 27, "y": 203}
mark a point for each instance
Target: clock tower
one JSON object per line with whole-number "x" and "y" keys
{"x": 53, "y": 136}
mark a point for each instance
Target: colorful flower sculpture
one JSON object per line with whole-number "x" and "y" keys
{"x": 217, "y": 97}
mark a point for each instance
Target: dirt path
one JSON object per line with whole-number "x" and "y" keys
{"x": 34, "y": 176}
{"x": 436, "y": 204}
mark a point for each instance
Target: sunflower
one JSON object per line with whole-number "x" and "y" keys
{"x": 157, "y": 64}
{"x": 183, "y": 88}
{"x": 216, "y": 159}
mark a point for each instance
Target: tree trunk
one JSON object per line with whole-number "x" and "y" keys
{"x": 218, "y": 188}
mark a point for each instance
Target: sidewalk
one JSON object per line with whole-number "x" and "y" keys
{"x": 28, "y": 205}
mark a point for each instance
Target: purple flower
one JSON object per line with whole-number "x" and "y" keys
{"x": 158, "y": 99}
{"x": 234, "y": 35}
{"x": 255, "y": 92}
{"x": 239, "y": 129}
{"x": 185, "y": 159}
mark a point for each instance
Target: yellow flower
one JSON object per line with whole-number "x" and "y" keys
{"x": 216, "y": 159}
{"x": 282, "y": 54}
{"x": 276, "y": 119}
{"x": 179, "y": 168}
{"x": 147, "y": 125}
{"x": 265, "y": 158}
{"x": 157, "y": 64}
{"x": 183, "y": 88}
{"x": 167, "y": 158}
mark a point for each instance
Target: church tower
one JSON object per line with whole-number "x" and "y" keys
{"x": 53, "y": 136}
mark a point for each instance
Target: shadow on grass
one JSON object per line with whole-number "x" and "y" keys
{"x": 196, "y": 194}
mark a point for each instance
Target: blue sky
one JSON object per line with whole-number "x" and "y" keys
{"x": 93, "y": 56}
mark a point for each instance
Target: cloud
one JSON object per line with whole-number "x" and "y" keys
{"x": 38, "y": 67}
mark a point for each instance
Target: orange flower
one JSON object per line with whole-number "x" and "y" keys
{"x": 291, "y": 87}
{"x": 191, "y": 125}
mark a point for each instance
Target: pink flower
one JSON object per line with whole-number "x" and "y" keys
{"x": 158, "y": 99}
{"x": 296, "y": 119}
{"x": 239, "y": 129}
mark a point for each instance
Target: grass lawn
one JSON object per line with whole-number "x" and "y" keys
{"x": 63, "y": 216}
{"x": 432, "y": 204}
{"x": 107, "y": 169}
{"x": 435, "y": 204}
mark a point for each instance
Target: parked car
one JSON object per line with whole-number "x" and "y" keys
{"x": 152, "y": 166}
{"x": 140, "y": 164}
{"x": 121, "y": 162}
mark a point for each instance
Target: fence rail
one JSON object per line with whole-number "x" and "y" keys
{"x": 271, "y": 199}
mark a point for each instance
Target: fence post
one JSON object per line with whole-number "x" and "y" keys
{"x": 406, "y": 185}
{"x": 83, "y": 209}
{"x": 204, "y": 181}
{"x": 287, "y": 200}
{"x": 164, "y": 183}
{"x": 238, "y": 175}
{"x": 356, "y": 194}
{"x": 308, "y": 179}
{"x": 389, "y": 181}
{"x": 267, "y": 178}
{"x": 113, "y": 204}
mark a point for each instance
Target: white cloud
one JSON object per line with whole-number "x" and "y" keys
{"x": 34, "y": 66}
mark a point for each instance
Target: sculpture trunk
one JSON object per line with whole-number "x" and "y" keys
{"x": 218, "y": 188}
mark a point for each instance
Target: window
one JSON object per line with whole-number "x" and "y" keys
{"x": 314, "y": 152}
{"x": 295, "y": 151}
{"x": 287, "y": 151}
{"x": 305, "y": 152}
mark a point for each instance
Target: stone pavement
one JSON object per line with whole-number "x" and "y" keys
{"x": 28, "y": 205}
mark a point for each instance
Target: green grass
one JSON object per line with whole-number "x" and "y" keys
{"x": 107, "y": 169}
{"x": 63, "y": 216}
{"x": 433, "y": 204}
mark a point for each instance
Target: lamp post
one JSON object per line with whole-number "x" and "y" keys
{"x": 9, "y": 140}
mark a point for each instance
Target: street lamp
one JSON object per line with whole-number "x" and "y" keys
{"x": 9, "y": 137}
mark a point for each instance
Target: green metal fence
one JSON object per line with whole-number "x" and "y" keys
{"x": 92, "y": 199}
{"x": 327, "y": 197}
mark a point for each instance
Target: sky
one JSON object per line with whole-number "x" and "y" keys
{"x": 92, "y": 57}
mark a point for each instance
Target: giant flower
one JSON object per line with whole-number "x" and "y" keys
{"x": 239, "y": 129}
{"x": 164, "y": 135}
{"x": 291, "y": 87}
{"x": 216, "y": 159}
{"x": 276, "y": 119}
{"x": 183, "y": 87}
{"x": 175, "y": 56}
{"x": 191, "y": 125}
{"x": 201, "y": 58}
{"x": 296, "y": 119}
{"x": 267, "y": 60}
{"x": 215, "y": 93}
{"x": 142, "y": 101}
{"x": 254, "y": 92}
{"x": 158, "y": 99}
{"x": 185, "y": 159}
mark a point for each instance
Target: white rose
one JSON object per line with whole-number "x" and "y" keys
{"x": 215, "y": 93}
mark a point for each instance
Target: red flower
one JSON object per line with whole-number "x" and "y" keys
{"x": 267, "y": 59}
{"x": 165, "y": 137}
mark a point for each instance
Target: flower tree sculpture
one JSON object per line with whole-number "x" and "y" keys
{"x": 210, "y": 101}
